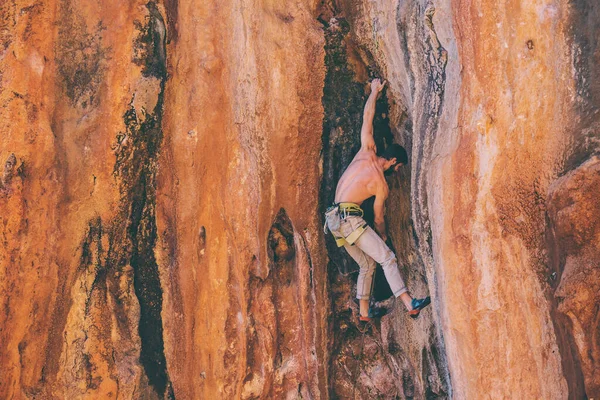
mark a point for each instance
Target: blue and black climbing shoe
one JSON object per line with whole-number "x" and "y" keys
{"x": 374, "y": 312}
{"x": 418, "y": 305}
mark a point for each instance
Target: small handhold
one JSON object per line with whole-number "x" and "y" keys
{"x": 530, "y": 44}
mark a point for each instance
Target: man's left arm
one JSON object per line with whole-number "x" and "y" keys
{"x": 366, "y": 132}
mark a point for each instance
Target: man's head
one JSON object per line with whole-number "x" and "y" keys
{"x": 395, "y": 156}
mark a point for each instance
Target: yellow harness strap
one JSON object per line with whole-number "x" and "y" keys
{"x": 353, "y": 237}
{"x": 350, "y": 207}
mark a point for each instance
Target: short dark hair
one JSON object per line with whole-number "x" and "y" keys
{"x": 396, "y": 151}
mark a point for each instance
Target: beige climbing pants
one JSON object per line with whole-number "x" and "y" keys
{"x": 367, "y": 250}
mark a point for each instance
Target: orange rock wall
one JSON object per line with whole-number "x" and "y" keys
{"x": 166, "y": 165}
{"x": 242, "y": 242}
{"x": 509, "y": 146}
{"x": 515, "y": 134}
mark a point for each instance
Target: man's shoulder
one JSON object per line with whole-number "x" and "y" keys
{"x": 365, "y": 155}
{"x": 381, "y": 182}
{"x": 367, "y": 152}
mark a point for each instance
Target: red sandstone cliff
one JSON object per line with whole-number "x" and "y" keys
{"x": 166, "y": 165}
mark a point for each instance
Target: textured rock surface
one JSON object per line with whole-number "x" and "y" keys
{"x": 573, "y": 209}
{"x": 244, "y": 265}
{"x": 165, "y": 165}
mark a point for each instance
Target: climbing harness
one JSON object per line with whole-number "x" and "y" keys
{"x": 333, "y": 217}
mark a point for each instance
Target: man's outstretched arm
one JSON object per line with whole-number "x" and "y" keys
{"x": 366, "y": 134}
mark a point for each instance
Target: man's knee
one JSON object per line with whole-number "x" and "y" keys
{"x": 390, "y": 261}
{"x": 368, "y": 269}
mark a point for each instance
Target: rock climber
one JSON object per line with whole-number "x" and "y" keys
{"x": 363, "y": 179}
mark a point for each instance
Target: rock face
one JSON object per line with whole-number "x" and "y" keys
{"x": 573, "y": 208}
{"x": 166, "y": 166}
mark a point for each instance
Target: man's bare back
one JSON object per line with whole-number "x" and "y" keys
{"x": 362, "y": 179}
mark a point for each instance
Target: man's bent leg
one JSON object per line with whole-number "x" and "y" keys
{"x": 374, "y": 247}
{"x": 365, "y": 277}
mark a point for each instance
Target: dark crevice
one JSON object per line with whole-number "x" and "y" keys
{"x": 136, "y": 165}
{"x": 343, "y": 101}
{"x": 433, "y": 362}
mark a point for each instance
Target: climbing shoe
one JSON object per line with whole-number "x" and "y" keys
{"x": 364, "y": 324}
{"x": 374, "y": 312}
{"x": 418, "y": 305}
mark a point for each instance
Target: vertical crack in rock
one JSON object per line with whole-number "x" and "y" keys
{"x": 434, "y": 364}
{"x": 343, "y": 102}
{"x": 281, "y": 246}
{"x": 352, "y": 47}
{"x": 113, "y": 326}
{"x": 150, "y": 47}
{"x": 135, "y": 167}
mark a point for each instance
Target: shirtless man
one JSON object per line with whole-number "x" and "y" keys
{"x": 364, "y": 178}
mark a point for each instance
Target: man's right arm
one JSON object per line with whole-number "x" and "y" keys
{"x": 366, "y": 133}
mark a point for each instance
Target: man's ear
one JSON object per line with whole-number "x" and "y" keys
{"x": 394, "y": 160}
